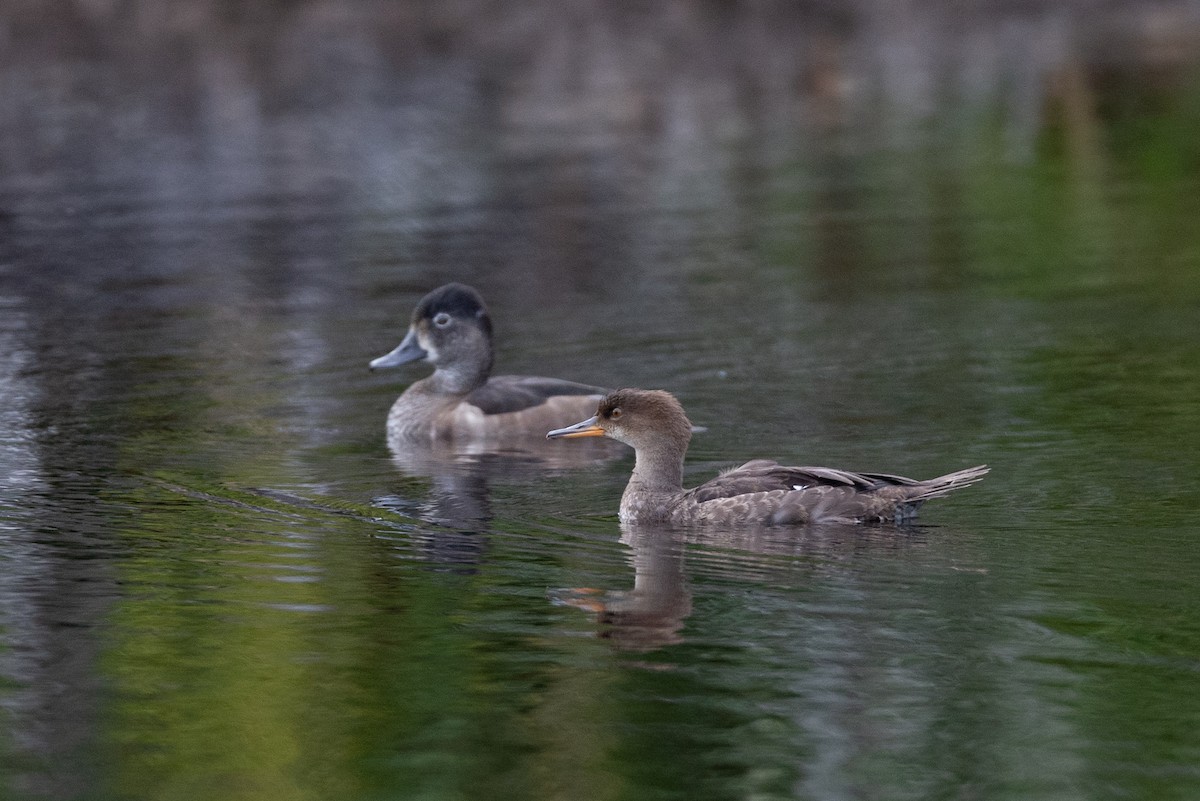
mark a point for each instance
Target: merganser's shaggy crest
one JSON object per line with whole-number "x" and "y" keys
{"x": 760, "y": 492}
{"x": 462, "y": 401}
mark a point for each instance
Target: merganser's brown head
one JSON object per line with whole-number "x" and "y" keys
{"x": 641, "y": 418}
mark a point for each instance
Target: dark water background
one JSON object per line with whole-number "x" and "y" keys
{"x": 906, "y": 237}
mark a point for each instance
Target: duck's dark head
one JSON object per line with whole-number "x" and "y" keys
{"x": 450, "y": 328}
{"x": 642, "y": 418}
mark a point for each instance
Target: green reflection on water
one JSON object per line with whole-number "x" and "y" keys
{"x": 376, "y": 672}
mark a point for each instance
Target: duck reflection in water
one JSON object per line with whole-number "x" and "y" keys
{"x": 653, "y": 614}
{"x": 461, "y": 476}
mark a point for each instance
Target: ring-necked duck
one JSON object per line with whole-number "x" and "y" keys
{"x": 462, "y": 401}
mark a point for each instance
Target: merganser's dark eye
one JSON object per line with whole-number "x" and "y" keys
{"x": 615, "y": 414}
{"x": 441, "y": 319}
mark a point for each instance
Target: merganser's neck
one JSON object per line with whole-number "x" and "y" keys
{"x": 655, "y": 485}
{"x": 658, "y": 469}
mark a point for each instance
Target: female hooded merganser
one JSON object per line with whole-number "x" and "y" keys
{"x": 451, "y": 330}
{"x": 759, "y": 492}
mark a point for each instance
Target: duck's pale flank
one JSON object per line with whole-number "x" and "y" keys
{"x": 760, "y": 492}
{"x": 451, "y": 329}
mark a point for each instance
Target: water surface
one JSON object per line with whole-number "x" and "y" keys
{"x": 904, "y": 242}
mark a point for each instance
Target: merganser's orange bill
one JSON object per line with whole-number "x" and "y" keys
{"x": 588, "y": 428}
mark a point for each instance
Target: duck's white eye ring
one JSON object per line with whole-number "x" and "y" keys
{"x": 615, "y": 414}
{"x": 441, "y": 319}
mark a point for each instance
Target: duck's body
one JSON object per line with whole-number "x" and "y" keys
{"x": 765, "y": 492}
{"x": 506, "y": 407}
{"x": 760, "y": 492}
{"x": 462, "y": 401}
